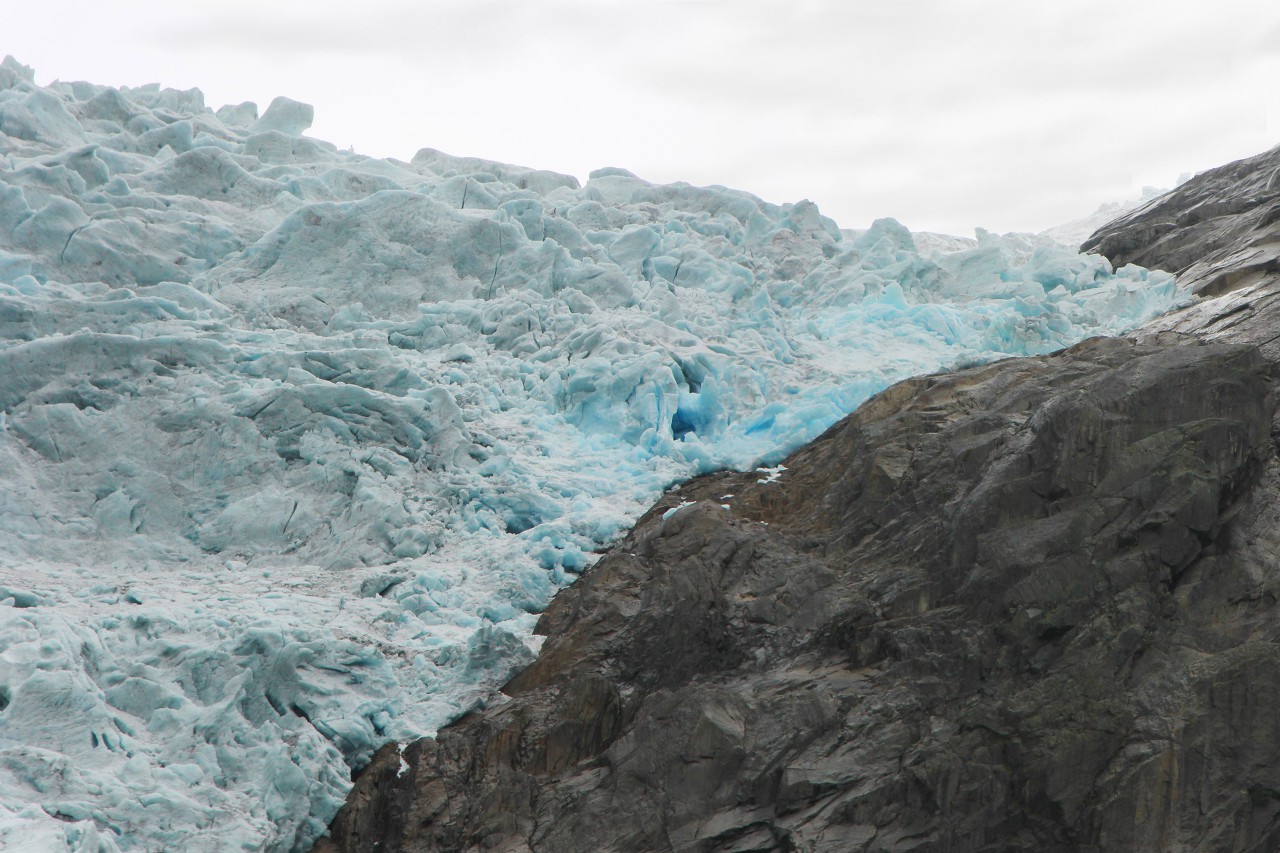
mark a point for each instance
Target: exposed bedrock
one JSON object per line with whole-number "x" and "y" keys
{"x": 1025, "y": 606}
{"x": 1218, "y": 232}
{"x": 1030, "y": 606}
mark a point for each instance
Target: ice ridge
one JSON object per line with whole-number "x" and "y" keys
{"x": 294, "y": 443}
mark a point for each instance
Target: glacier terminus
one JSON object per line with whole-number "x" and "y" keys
{"x": 296, "y": 443}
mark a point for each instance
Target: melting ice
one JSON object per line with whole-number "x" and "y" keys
{"x": 294, "y": 443}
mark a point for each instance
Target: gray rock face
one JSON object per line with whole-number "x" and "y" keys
{"x": 1217, "y": 232}
{"x": 1030, "y": 606}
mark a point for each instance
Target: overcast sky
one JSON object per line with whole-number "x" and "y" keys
{"x": 945, "y": 114}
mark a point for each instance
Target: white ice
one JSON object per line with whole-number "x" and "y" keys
{"x": 295, "y": 443}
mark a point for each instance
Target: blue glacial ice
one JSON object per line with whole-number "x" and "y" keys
{"x": 295, "y": 443}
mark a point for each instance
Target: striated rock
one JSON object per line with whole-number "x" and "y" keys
{"x": 1217, "y": 232}
{"x": 1030, "y": 606}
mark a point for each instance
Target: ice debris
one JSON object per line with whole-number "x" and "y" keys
{"x": 771, "y": 475}
{"x": 294, "y": 442}
{"x": 675, "y": 509}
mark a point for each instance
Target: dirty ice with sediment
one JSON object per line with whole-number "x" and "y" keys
{"x": 295, "y": 443}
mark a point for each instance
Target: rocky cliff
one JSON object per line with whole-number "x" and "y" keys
{"x": 1030, "y": 606}
{"x": 1217, "y": 232}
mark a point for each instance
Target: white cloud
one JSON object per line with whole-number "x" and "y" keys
{"x": 944, "y": 113}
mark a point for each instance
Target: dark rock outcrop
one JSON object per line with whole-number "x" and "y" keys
{"x": 1030, "y": 606}
{"x": 1218, "y": 232}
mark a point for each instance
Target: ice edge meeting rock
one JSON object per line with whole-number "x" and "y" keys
{"x": 295, "y": 444}
{"x": 1030, "y": 606}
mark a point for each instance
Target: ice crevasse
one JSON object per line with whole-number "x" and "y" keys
{"x": 295, "y": 443}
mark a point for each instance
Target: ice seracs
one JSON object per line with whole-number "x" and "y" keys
{"x": 294, "y": 442}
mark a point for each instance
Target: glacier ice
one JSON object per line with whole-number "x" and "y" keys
{"x": 295, "y": 443}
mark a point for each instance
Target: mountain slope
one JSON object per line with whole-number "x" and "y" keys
{"x": 1217, "y": 232}
{"x": 1026, "y": 606}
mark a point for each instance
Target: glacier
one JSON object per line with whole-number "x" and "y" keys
{"x": 295, "y": 443}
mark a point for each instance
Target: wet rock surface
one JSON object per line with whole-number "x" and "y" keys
{"x": 1029, "y": 606}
